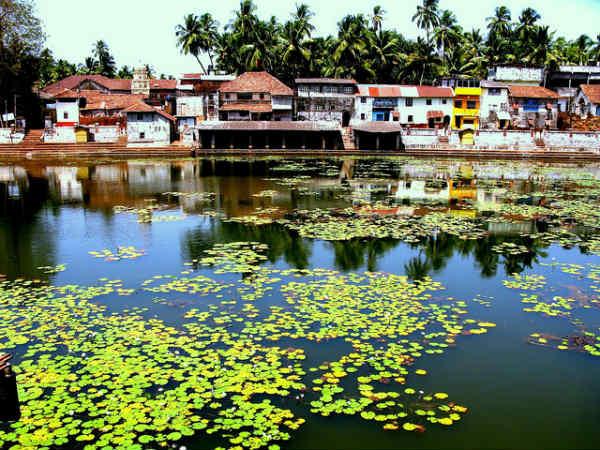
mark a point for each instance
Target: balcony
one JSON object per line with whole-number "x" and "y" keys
{"x": 466, "y": 112}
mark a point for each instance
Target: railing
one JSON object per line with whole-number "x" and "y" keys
{"x": 265, "y": 101}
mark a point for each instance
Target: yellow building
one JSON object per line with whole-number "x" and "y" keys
{"x": 466, "y": 112}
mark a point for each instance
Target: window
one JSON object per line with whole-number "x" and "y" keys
{"x": 140, "y": 116}
{"x": 444, "y": 101}
{"x": 471, "y": 104}
{"x": 458, "y": 103}
{"x": 457, "y": 121}
{"x": 245, "y": 96}
{"x": 227, "y": 96}
{"x": 349, "y": 90}
{"x": 362, "y": 116}
{"x": 363, "y": 99}
{"x": 408, "y": 102}
{"x": 65, "y": 115}
{"x": 142, "y": 135}
{"x": 303, "y": 88}
{"x": 410, "y": 118}
{"x": 494, "y": 91}
{"x": 262, "y": 96}
{"x": 428, "y": 102}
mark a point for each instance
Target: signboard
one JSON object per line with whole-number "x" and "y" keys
{"x": 8, "y": 117}
{"x": 385, "y": 103}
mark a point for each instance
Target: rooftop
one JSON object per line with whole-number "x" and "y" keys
{"x": 592, "y": 92}
{"x": 253, "y": 125}
{"x": 73, "y": 82}
{"x": 392, "y": 90}
{"x": 141, "y": 107}
{"x": 325, "y": 81}
{"x": 520, "y": 91}
{"x": 257, "y": 82}
{"x": 378, "y": 127}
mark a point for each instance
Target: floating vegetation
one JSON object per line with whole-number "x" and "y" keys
{"x": 525, "y": 282}
{"x": 51, "y": 270}
{"x": 123, "y": 252}
{"x": 122, "y": 380}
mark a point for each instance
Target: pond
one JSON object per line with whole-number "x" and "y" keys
{"x": 345, "y": 303}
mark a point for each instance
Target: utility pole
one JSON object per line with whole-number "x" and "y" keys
{"x": 15, "y": 113}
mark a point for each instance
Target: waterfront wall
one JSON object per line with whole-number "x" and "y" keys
{"x": 508, "y": 139}
{"x": 8, "y": 137}
{"x": 106, "y": 133}
{"x": 60, "y": 135}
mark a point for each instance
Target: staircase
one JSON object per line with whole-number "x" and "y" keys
{"x": 32, "y": 138}
{"x": 444, "y": 140}
{"x": 348, "y": 139}
{"x": 540, "y": 144}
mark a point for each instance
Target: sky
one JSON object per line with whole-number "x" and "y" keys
{"x": 143, "y": 31}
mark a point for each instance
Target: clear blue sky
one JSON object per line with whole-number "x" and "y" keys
{"x": 143, "y": 30}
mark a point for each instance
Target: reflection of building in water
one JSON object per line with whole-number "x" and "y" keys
{"x": 149, "y": 177}
{"x": 109, "y": 173}
{"x": 418, "y": 190}
{"x": 64, "y": 182}
{"x": 15, "y": 178}
{"x": 525, "y": 227}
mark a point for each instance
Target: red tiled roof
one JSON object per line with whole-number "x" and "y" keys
{"x": 111, "y": 84}
{"x": 435, "y": 91}
{"x": 519, "y": 91}
{"x": 592, "y": 92}
{"x": 257, "y": 82}
{"x": 99, "y": 101}
{"x": 397, "y": 90}
{"x": 251, "y": 107}
{"x": 141, "y": 107}
{"x": 66, "y": 93}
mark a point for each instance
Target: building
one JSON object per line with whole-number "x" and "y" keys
{"x": 256, "y": 96}
{"x": 413, "y": 106}
{"x": 157, "y": 92}
{"x": 587, "y": 100}
{"x": 517, "y": 75}
{"x": 466, "y": 110}
{"x": 66, "y": 106}
{"x": 493, "y": 110}
{"x": 330, "y": 99}
{"x": 198, "y": 98}
{"x": 533, "y": 106}
{"x": 148, "y": 126}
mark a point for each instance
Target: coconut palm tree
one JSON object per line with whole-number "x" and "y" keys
{"x": 189, "y": 35}
{"x": 377, "y": 19}
{"x": 209, "y": 35}
{"x": 427, "y": 16}
{"x": 447, "y": 33}
{"x": 582, "y": 46}
{"x": 105, "y": 61}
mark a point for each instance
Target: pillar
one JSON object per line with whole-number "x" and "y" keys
{"x": 283, "y": 141}
{"x": 377, "y": 142}
{"x": 250, "y": 141}
{"x": 357, "y": 142}
{"x": 231, "y": 140}
{"x": 303, "y": 141}
{"x": 266, "y": 140}
{"x": 212, "y": 140}
{"x": 398, "y": 141}
{"x": 199, "y": 139}
{"x": 323, "y": 142}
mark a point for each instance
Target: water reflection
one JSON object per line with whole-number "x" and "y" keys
{"x": 33, "y": 192}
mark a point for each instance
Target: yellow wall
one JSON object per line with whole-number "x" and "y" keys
{"x": 463, "y": 94}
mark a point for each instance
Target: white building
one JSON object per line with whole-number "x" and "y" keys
{"x": 147, "y": 126}
{"x": 587, "y": 100}
{"x": 494, "y": 106}
{"x": 526, "y": 76}
{"x": 415, "y": 106}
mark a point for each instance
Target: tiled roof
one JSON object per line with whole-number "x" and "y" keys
{"x": 434, "y": 114}
{"x": 592, "y": 92}
{"x": 257, "y": 82}
{"x": 141, "y": 107}
{"x": 519, "y": 91}
{"x": 392, "y": 90}
{"x": 67, "y": 94}
{"x": 256, "y": 125}
{"x": 111, "y": 84}
{"x": 324, "y": 81}
{"x": 99, "y": 101}
{"x": 251, "y": 107}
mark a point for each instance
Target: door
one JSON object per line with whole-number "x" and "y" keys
{"x": 466, "y": 137}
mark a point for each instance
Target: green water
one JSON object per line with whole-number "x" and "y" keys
{"x": 519, "y": 396}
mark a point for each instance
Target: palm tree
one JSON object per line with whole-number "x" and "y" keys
{"x": 105, "y": 61}
{"x": 189, "y": 36}
{"x": 595, "y": 51}
{"x": 377, "y": 18}
{"x": 582, "y": 47}
{"x": 427, "y": 16}
{"x": 499, "y": 25}
{"x": 446, "y": 34}
{"x": 209, "y": 35}
{"x": 354, "y": 37}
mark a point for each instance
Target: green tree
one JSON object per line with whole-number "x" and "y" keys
{"x": 104, "y": 60}
{"x": 125, "y": 72}
{"x": 427, "y": 16}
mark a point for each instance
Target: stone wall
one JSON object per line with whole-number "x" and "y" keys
{"x": 60, "y": 135}
{"x": 575, "y": 139}
{"x": 106, "y": 133}
{"x": 8, "y": 137}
